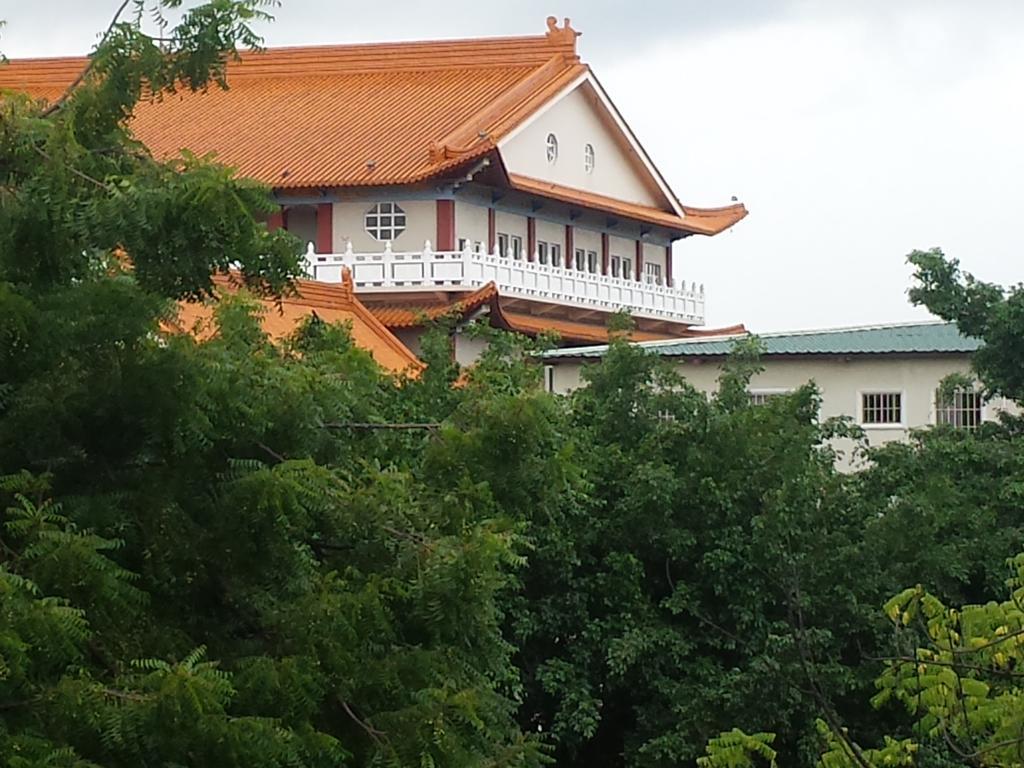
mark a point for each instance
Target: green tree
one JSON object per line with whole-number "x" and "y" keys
{"x": 986, "y": 311}
{"x": 674, "y": 541}
{"x": 947, "y": 510}
{"x": 200, "y": 563}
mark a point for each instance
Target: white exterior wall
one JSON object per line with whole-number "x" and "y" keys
{"x": 301, "y": 222}
{"x": 841, "y": 382}
{"x": 420, "y": 226}
{"x": 470, "y": 222}
{"x": 622, "y": 246}
{"x": 655, "y": 254}
{"x": 549, "y": 232}
{"x": 410, "y": 337}
{"x": 468, "y": 350}
{"x": 587, "y": 239}
{"x": 576, "y": 121}
{"x": 510, "y": 224}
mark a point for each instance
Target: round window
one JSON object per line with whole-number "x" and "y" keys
{"x": 588, "y": 158}
{"x": 551, "y": 146}
{"x": 385, "y": 221}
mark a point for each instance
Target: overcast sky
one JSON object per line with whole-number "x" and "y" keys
{"x": 854, "y": 131}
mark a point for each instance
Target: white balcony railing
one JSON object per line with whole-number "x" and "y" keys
{"x": 393, "y": 272}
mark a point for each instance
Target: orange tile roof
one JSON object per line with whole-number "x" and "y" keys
{"x": 700, "y": 221}
{"x": 348, "y": 114}
{"x": 569, "y": 330}
{"x": 331, "y": 302}
{"x": 413, "y": 314}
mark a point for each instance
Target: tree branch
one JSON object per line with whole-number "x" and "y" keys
{"x": 989, "y": 644}
{"x": 372, "y": 732}
{"x": 369, "y": 426}
{"x": 59, "y": 103}
{"x": 42, "y": 153}
{"x": 950, "y": 664}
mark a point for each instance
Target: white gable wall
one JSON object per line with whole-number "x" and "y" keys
{"x": 576, "y": 120}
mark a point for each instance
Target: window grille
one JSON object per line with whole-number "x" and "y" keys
{"x": 960, "y": 408}
{"x": 517, "y": 247}
{"x": 551, "y": 147}
{"x": 385, "y": 221}
{"x": 881, "y": 408}
{"x": 549, "y": 378}
{"x": 762, "y": 397}
{"x": 588, "y": 158}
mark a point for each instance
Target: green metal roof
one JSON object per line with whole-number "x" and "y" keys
{"x": 910, "y": 338}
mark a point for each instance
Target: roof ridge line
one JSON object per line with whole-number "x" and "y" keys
{"x": 856, "y": 328}
{"x": 532, "y": 87}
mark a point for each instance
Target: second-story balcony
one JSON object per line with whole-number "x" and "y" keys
{"x": 390, "y": 271}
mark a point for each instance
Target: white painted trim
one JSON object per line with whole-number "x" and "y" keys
{"x": 542, "y": 110}
{"x": 620, "y": 123}
{"x": 881, "y": 391}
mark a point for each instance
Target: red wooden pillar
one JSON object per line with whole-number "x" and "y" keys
{"x": 325, "y": 228}
{"x": 445, "y": 225}
{"x": 606, "y": 253}
{"x": 492, "y": 230}
{"x": 531, "y": 237}
{"x": 639, "y": 261}
{"x": 276, "y": 220}
{"x": 668, "y": 264}
{"x": 570, "y": 247}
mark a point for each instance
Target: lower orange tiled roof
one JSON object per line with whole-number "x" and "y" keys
{"x": 698, "y": 221}
{"x": 331, "y": 302}
{"x": 414, "y": 314}
{"x": 569, "y": 330}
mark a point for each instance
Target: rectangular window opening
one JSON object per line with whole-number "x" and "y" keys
{"x": 961, "y": 408}
{"x": 881, "y": 408}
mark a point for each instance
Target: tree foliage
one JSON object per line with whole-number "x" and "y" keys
{"x": 195, "y": 570}
{"x": 203, "y": 564}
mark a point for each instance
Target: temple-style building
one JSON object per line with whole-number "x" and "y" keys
{"x": 490, "y": 177}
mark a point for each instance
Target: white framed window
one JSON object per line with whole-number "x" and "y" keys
{"x": 503, "y": 244}
{"x": 556, "y": 254}
{"x": 627, "y": 269}
{"x": 592, "y": 262}
{"x": 476, "y": 246}
{"x": 549, "y": 378}
{"x": 616, "y": 266}
{"x": 881, "y": 409}
{"x": 516, "y": 243}
{"x": 580, "y": 257}
{"x": 652, "y": 273}
{"x": 551, "y": 147}
{"x": 588, "y": 158}
{"x": 542, "y": 252}
{"x": 763, "y": 396}
{"x": 385, "y": 221}
{"x": 962, "y": 408}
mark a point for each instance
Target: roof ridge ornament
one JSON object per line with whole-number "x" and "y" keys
{"x": 564, "y": 35}
{"x": 348, "y": 284}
